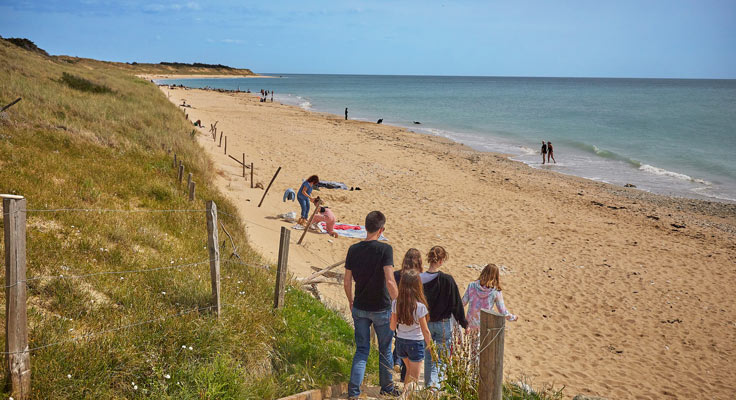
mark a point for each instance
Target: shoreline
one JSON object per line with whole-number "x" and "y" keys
{"x": 576, "y": 250}
{"x": 582, "y": 159}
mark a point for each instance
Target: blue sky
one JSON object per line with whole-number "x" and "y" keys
{"x": 668, "y": 38}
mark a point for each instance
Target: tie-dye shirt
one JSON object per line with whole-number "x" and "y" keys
{"x": 479, "y": 297}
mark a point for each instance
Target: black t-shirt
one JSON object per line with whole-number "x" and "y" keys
{"x": 366, "y": 261}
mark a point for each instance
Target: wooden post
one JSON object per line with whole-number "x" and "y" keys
{"x": 189, "y": 181}
{"x": 251, "y": 175}
{"x": 225, "y": 144}
{"x": 278, "y": 298}
{"x": 191, "y": 190}
{"x": 181, "y": 172}
{"x": 219, "y": 145}
{"x": 214, "y": 250}
{"x": 174, "y": 160}
{"x": 18, "y": 361}
{"x": 492, "y": 325}
{"x": 316, "y": 208}
{"x": 243, "y": 165}
{"x": 269, "y": 185}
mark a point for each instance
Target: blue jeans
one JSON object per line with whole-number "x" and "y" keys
{"x": 441, "y": 332}
{"x": 304, "y": 203}
{"x": 362, "y": 321}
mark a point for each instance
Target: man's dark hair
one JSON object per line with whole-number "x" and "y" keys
{"x": 313, "y": 179}
{"x": 374, "y": 221}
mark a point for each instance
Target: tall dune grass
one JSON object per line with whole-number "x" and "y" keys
{"x": 62, "y": 147}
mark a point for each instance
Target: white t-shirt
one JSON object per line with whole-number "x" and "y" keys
{"x": 411, "y": 332}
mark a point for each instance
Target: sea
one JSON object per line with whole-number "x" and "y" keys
{"x": 674, "y": 137}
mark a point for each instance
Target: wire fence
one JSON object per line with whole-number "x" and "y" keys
{"x": 62, "y": 276}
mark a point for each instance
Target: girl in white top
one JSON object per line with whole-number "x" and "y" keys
{"x": 409, "y": 316}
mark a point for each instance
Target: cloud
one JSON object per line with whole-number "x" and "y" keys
{"x": 232, "y": 41}
{"x": 160, "y": 8}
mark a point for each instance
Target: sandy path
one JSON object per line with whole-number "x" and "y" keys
{"x": 611, "y": 301}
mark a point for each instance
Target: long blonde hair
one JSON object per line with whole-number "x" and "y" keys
{"x": 410, "y": 292}
{"x": 490, "y": 277}
{"x": 412, "y": 261}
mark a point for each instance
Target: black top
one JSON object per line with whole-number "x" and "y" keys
{"x": 366, "y": 261}
{"x": 544, "y": 148}
{"x": 443, "y": 298}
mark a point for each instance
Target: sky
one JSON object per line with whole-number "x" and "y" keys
{"x": 621, "y": 38}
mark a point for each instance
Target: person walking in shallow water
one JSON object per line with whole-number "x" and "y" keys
{"x": 544, "y": 151}
{"x": 346, "y": 113}
{"x": 550, "y": 153}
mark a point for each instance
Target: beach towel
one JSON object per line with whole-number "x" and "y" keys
{"x": 349, "y": 230}
{"x": 332, "y": 185}
{"x": 346, "y": 230}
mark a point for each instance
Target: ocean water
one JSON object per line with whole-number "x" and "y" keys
{"x": 668, "y": 136}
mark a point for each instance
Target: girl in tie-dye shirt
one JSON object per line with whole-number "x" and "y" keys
{"x": 483, "y": 294}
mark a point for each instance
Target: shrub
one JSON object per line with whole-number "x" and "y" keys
{"x": 83, "y": 85}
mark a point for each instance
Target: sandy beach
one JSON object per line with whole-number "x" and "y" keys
{"x": 620, "y": 293}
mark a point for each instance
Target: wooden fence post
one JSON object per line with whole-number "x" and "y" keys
{"x": 243, "y": 165}
{"x": 219, "y": 145}
{"x": 225, "y": 144}
{"x": 189, "y": 181}
{"x": 251, "y": 175}
{"x": 18, "y": 361}
{"x": 490, "y": 384}
{"x": 309, "y": 223}
{"x": 191, "y": 190}
{"x": 214, "y": 250}
{"x": 278, "y": 298}
{"x": 174, "y": 160}
{"x": 269, "y": 185}
{"x": 181, "y": 172}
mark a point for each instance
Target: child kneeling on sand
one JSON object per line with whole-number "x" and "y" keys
{"x": 409, "y": 320}
{"x": 483, "y": 294}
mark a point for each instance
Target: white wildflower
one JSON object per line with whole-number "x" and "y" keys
{"x": 167, "y": 376}
{"x": 190, "y": 348}
{"x": 69, "y": 376}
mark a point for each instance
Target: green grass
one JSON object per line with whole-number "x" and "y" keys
{"x": 82, "y": 84}
{"x": 66, "y": 148}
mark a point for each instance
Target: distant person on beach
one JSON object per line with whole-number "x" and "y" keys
{"x": 484, "y": 294}
{"x": 272, "y": 96}
{"x": 544, "y": 151}
{"x": 346, "y": 113}
{"x": 445, "y": 303}
{"x": 304, "y": 196}
{"x": 550, "y": 153}
{"x": 370, "y": 264}
{"x": 324, "y": 214}
{"x": 409, "y": 314}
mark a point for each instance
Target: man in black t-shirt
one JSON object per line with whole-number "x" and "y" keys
{"x": 371, "y": 264}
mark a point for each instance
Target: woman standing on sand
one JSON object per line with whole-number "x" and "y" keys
{"x": 444, "y": 302}
{"x": 304, "y": 196}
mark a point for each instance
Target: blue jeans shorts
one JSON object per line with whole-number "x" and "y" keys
{"x": 411, "y": 349}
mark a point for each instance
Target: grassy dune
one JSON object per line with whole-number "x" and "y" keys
{"x": 91, "y": 135}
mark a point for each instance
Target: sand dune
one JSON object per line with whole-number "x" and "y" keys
{"x": 613, "y": 300}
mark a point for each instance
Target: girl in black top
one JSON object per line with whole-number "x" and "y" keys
{"x": 444, "y": 303}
